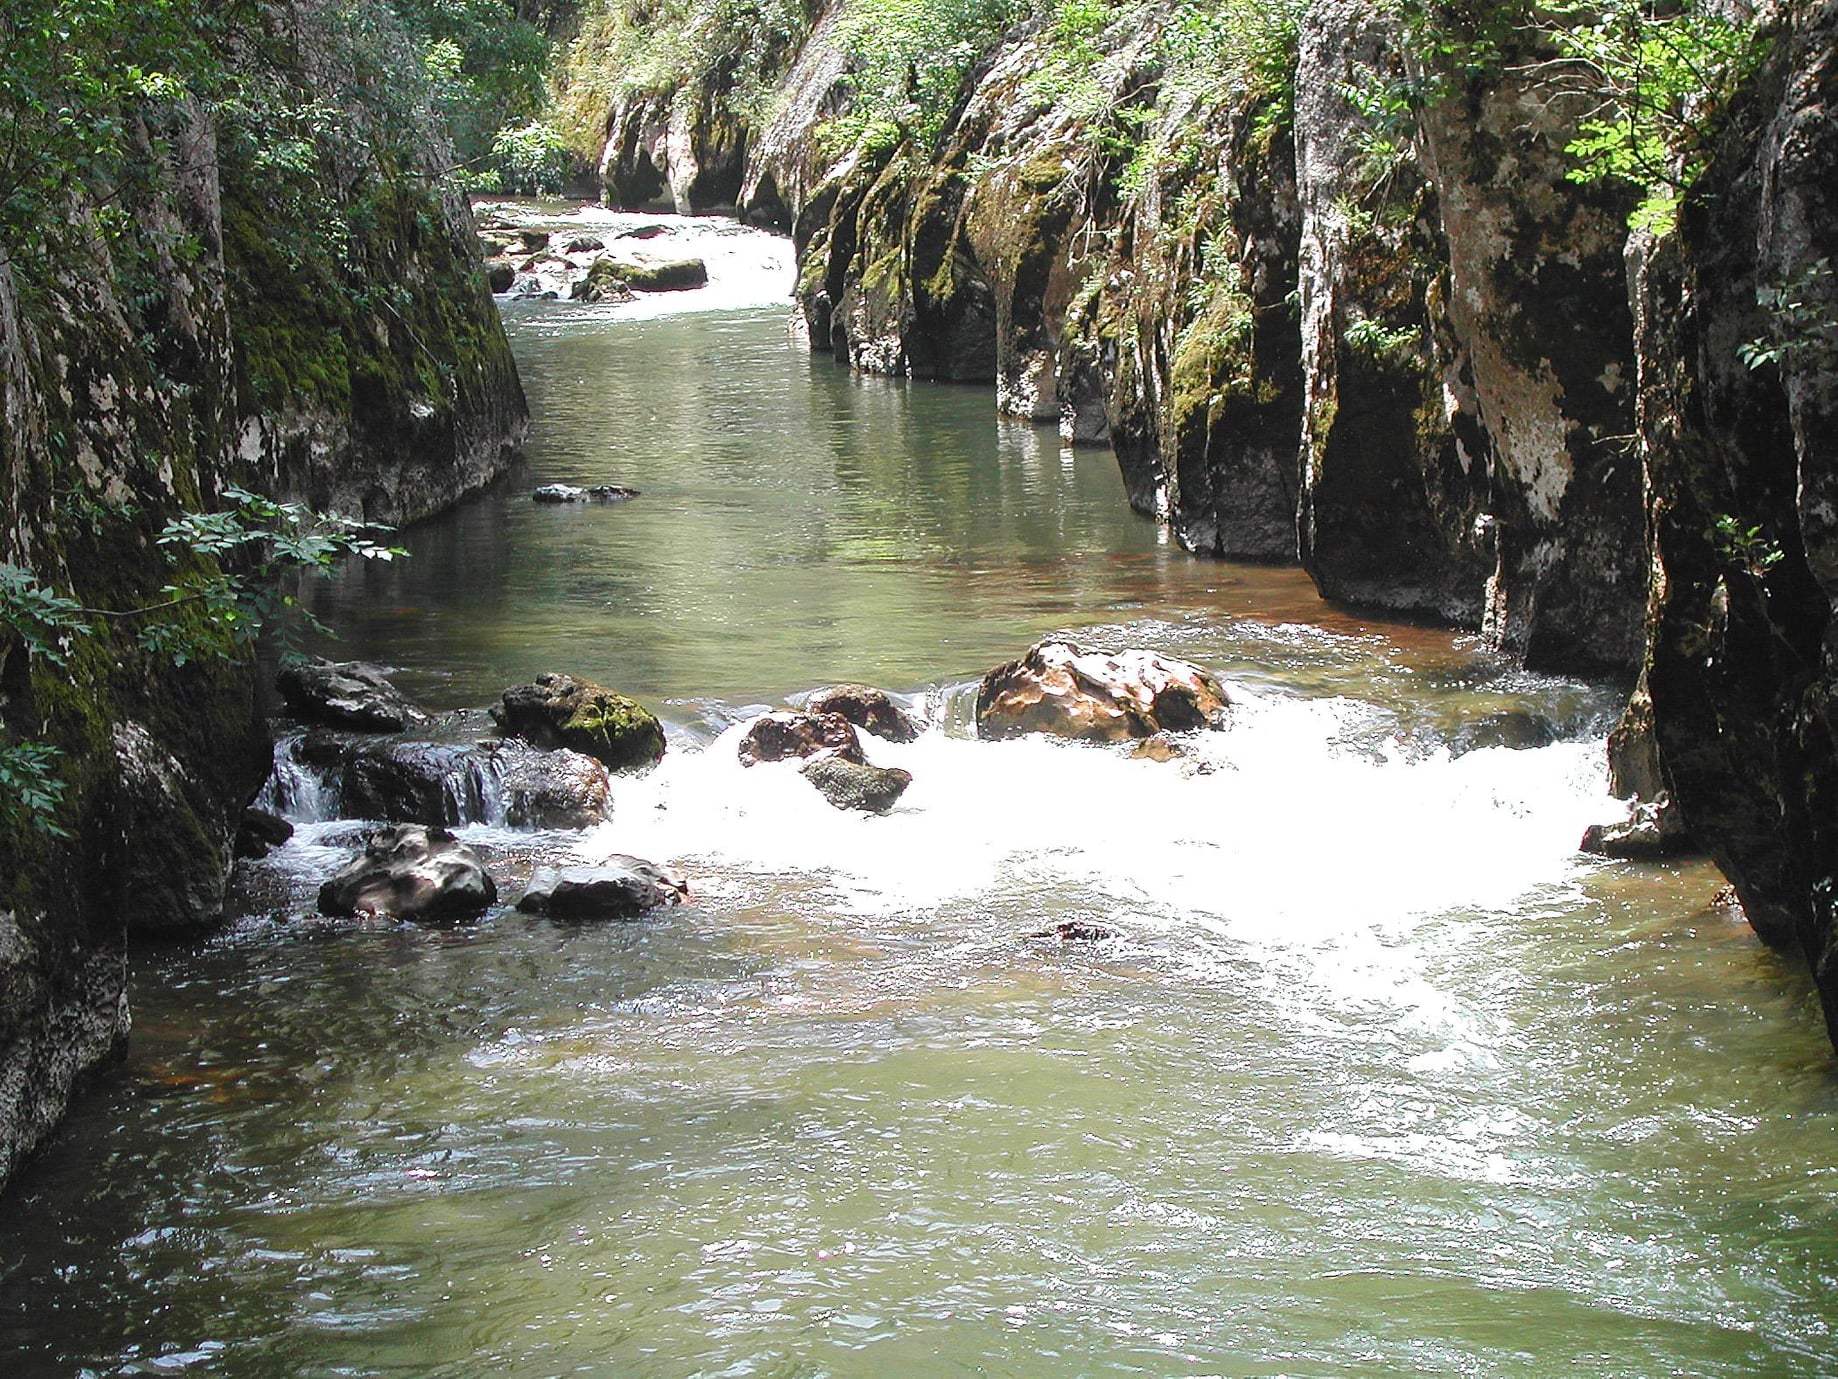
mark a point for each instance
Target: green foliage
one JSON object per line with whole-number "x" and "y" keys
{"x": 1746, "y": 548}
{"x": 31, "y": 791}
{"x": 75, "y": 77}
{"x": 909, "y": 62}
{"x": 530, "y": 160}
{"x": 680, "y": 51}
{"x": 1372, "y": 339}
{"x": 1658, "y": 76}
{"x": 1802, "y": 314}
{"x": 485, "y": 67}
{"x": 233, "y": 569}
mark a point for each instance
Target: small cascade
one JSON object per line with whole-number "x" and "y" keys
{"x": 299, "y": 791}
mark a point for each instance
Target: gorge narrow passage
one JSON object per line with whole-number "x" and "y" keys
{"x": 1375, "y": 1072}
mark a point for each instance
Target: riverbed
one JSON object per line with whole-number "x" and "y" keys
{"x": 1376, "y": 1075}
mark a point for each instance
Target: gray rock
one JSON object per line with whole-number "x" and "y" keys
{"x": 346, "y": 694}
{"x": 414, "y": 873}
{"x": 857, "y": 784}
{"x": 622, "y": 887}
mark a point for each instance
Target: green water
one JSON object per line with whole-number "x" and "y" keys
{"x": 1376, "y": 1077}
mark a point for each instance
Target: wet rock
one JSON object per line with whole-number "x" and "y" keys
{"x": 534, "y": 240}
{"x": 1516, "y": 729}
{"x": 583, "y": 244}
{"x": 857, "y": 784}
{"x": 554, "y": 789}
{"x": 261, "y": 832}
{"x": 1161, "y": 747}
{"x": 1095, "y": 696}
{"x": 777, "y": 736}
{"x": 871, "y": 710}
{"x": 1074, "y": 931}
{"x": 415, "y": 873}
{"x": 571, "y": 493}
{"x": 346, "y": 694}
{"x": 499, "y": 275}
{"x": 622, "y": 887}
{"x": 1653, "y": 830}
{"x": 644, "y": 232}
{"x": 650, "y": 274}
{"x": 560, "y": 711}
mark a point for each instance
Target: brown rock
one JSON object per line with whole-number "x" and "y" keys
{"x": 869, "y": 709}
{"x": 1096, "y": 696}
{"x": 777, "y": 736}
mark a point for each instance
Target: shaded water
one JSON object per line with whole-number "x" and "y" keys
{"x": 1377, "y": 1076}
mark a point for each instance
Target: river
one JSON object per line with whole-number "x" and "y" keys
{"x": 1378, "y": 1075}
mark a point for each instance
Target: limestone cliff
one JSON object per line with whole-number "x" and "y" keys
{"x": 273, "y": 299}
{"x": 1360, "y": 313}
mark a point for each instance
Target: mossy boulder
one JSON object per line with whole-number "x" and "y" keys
{"x": 646, "y": 274}
{"x": 560, "y": 711}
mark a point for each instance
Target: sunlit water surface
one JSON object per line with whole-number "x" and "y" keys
{"x": 1377, "y": 1076}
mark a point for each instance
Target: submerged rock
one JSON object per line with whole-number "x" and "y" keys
{"x": 777, "y": 736}
{"x": 560, "y": 711}
{"x": 346, "y": 694}
{"x": 1095, "y": 696}
{"x": 1653, "y": 830}
{"x": 595, "y": 493}
{"x": 414, "y": 873}
{"x": 622, "y": 887}
{"x": 869, "y": 709}
{"x": 1074, "y": 931}
{"x": 856, "y": 784}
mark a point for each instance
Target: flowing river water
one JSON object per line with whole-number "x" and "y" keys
{"x": 1378, "y": 1075}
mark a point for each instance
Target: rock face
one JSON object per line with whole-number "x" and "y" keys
{"x": 1095, "y": 696}
{"x": 561, "y": 711}
{"x": 1742, "y": 461}
{"x": 346, "y": 694}
{"x": 622, "y": 887}
{"x": 208, "y": 321}
{"x": 856, "y": 784}
{"x": 413, "y": 873}
{"x": 779, "y": 736}
{"x": 871, "y": 710}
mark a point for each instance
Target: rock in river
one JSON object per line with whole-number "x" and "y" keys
{"x": 622, "y": 887}
{"x": 777, "y": 736}
{"x": 871, "y": 710}
{"x": 856, "y": 784}
{"x": 346, "y": 694}
{"x": 571, "y": 493}
{"x": 415, "y": 873}
{"x": 1096, "y": 696}
{"x": 561, "y": 711}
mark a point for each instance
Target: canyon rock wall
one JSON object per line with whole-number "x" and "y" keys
{"x": 308, "y": 320}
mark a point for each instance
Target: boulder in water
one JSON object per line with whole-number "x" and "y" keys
{"x": 443, "y": 784}
{"x": 1652, "y": 830}
{"x": 554, "y": 789}
{"x": 622, "y": 887}
{"x": 499, "y": 275}
{"x": 415, "y": 873}
{"x": 260, "y": 832}
{"x": 560, "y": 711}
{"x": 346, "y": 694}
{"x": 649, "y": 274}
{"x": 869, "y": 709}
{"x": 1095, "y": 696}
{"x": 856, "y": 784}
{"x": 778, "y": 736}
